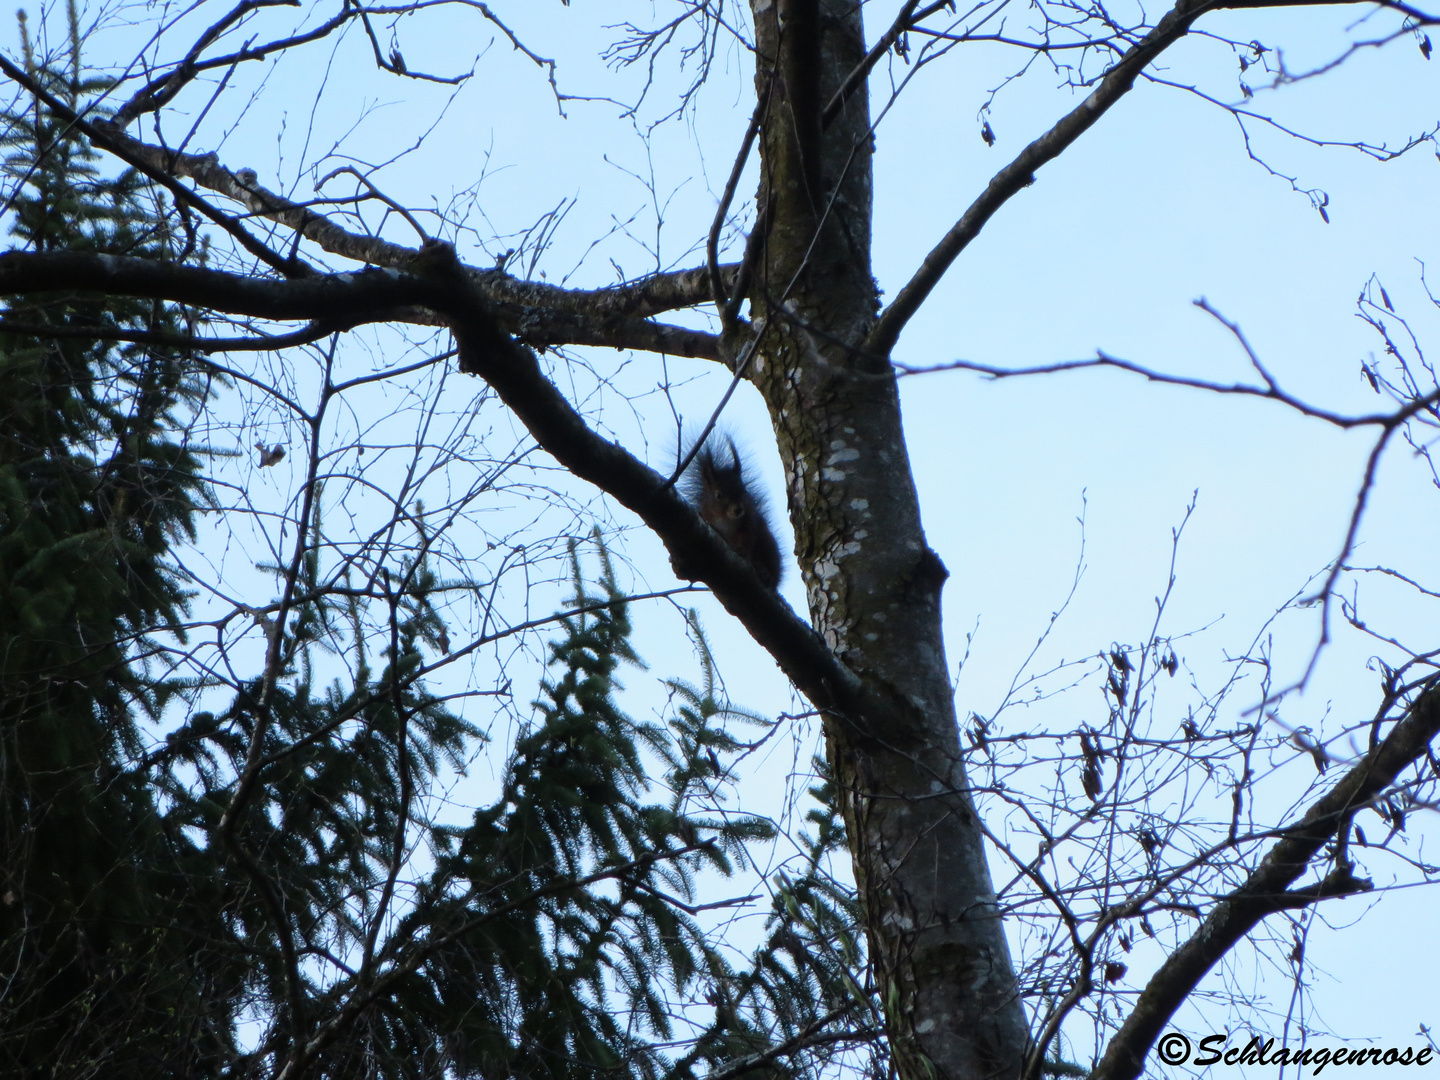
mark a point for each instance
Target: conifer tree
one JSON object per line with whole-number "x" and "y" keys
{"x": 105, "y": 909}
{"x": 558, "y": 936}
{"x": 262, "y": 891}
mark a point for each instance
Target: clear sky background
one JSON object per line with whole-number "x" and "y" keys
{"x": 1157, "y": 206}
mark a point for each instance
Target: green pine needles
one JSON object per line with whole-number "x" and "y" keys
{"x": 254, "y": 866}
{"x": 106, "y": 927}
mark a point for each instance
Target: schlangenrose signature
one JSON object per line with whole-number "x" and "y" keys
{"x": 1174, "y": 1048}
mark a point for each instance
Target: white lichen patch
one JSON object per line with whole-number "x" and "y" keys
{"x": 903, "y": 922}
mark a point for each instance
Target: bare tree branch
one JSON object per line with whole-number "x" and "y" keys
{"x": 1266, "y": 891}
{"x": 342, "y": 301}
{"x": 342, "y": 296}
{"x": 647, "y": 296}
{"x": 99, "y": 133}
{"x": 1020, "y": 173}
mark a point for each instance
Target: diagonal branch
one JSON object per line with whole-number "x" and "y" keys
{"x": 99, "y": 132}
{"x": 1267, "y": 889}
{"x": 514, "y": 373}
{"x": 541, "y": 314}
{"x": 342, "y": 301}
{"x": 906, "y": 20}
{"x": 159, "y": 92}
{"x": 1020, "y": 173}
{"x": 639, "y": 299}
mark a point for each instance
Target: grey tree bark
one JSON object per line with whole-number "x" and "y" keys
{"x": 817, "y": 346}
{"x": 872, "y": 581}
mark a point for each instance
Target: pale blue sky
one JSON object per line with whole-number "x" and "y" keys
{"x": 1153, "y": 208}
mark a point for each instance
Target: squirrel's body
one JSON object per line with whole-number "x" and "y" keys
{"x": 718, "y": 490}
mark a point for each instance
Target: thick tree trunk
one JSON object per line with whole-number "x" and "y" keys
{"x": 873, "y": 583}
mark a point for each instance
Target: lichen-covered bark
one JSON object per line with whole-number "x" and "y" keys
{"x": 873, "y": 583}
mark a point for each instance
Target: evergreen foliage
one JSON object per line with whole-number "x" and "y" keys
{"x": 559, "y": 933}
{"x": 266, "y": 888}
{"x": 104, "y": 912}
{"x": 312, "y": 848}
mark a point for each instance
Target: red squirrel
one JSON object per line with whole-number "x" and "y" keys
{"x": 717, "y": 488}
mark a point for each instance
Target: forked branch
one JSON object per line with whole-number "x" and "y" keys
{"x": 342, "y": 301}
{"x": 1268, "y": 888}
{"x": 1020, "y": 173}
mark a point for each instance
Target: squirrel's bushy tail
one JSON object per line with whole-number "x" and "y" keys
{"x": 717, "y": 488}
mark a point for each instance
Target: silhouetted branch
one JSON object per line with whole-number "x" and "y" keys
{"x": 1267, "y": 889}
